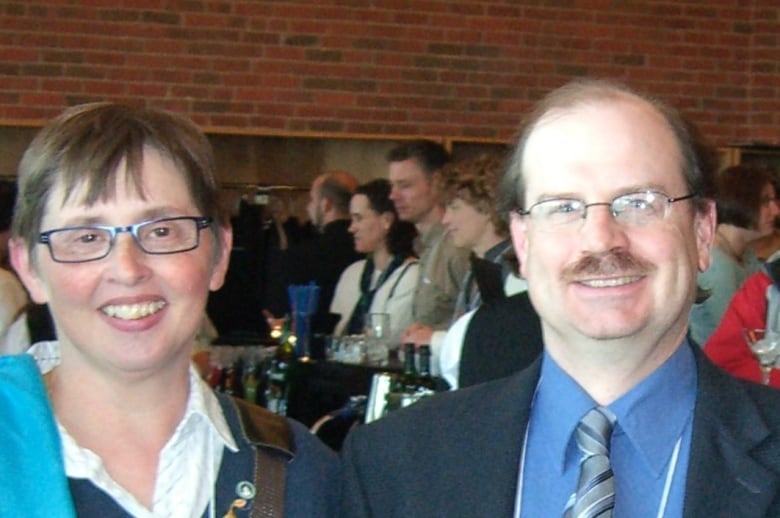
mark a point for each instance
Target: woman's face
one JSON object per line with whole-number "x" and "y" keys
{"x": 129, "y": 313}
{"x": 369, "y": 228}
{"x": 767, "y": 211}
{"x": 466, "y": 224}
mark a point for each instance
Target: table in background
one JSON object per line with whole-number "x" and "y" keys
{"x": 317, "y": 387}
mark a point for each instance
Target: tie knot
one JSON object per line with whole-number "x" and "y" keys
{"x": 595, "y": 430}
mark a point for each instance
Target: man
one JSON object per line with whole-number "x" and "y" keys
{"x": 415, "y": 174}
{"x": 611, "y": 220}
{"x": 323, "y": 258}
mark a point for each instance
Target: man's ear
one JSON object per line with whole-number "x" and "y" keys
{"x": 705, "y": 224}
{"x": 518, "y": 229}
{"x": 437, "y": 183}
{"x": 326, "y": 205}
{"x": 23, "y": 264}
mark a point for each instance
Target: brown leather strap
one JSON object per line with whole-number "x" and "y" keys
{"x": 270, "y": 471}
{"x": 272, "y": 437}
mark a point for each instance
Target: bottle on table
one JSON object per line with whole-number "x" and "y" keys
{"x": 425, "y": 381}
{"x": 252, "y": 382}
{"x": 407, "y": 380}
{"x": 232, "y": 378}
{"x": 278, "y": 376}
{"x": 404, "y": 384}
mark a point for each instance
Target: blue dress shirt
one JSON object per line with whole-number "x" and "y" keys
{"x": 652, "y": 419}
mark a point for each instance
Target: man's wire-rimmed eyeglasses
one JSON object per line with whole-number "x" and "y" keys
{"x": 633, "y": 209}
{"x": 85, "y": 243}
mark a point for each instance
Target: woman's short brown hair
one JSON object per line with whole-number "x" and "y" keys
{"x": 85, "y": 146}
{"x": 475, "y": 180}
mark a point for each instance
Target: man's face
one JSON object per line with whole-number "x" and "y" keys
{"x": 413, "y": 191}
{"x": 600, "y": 279}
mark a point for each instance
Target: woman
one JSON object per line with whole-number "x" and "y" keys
{"x": 748, "y": 309}
{"x": 473, "y": 223}
{"x": 117, "y": 227}
{"x": 384, "y": 282}
{"x": 747, "y": 206}
{"x": 14, "y": 337}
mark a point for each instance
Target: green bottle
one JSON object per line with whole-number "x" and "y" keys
{"x": 403, "y": 384}
{"x": 406, "y": 382}
{"x": 425, "y": 380}
{"x": 251, "y": 383}
{"x": 278, "y": 375}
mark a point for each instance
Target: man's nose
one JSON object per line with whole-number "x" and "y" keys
{"x": 600, "y": 230}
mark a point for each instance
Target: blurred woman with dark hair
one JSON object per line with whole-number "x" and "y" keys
{"x": 764, "y": 247}
{"x": 384, "y": 282}
{"x": 747, "y": 206}
{"x": 14, "y": 337}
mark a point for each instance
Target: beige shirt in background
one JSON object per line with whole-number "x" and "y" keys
{"x": 442, "y": 269}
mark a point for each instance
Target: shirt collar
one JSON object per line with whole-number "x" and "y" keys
{"x": 436, "y": 230}
{"x": 203, "y": 402}
{"x": 652, "y": 415}
{"x": 495, "y": 253}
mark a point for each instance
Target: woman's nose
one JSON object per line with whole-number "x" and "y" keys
{"x": 128, "y": 260}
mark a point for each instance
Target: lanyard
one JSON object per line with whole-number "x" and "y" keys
{"x": 664, "y": 496}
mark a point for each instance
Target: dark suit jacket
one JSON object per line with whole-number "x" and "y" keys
{"x": 457, "y": 454}
{"x": 322, "y": 259}
{"x": 503, "y": 337}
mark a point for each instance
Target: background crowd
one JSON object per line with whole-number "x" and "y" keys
{"x": 597, "y": 276}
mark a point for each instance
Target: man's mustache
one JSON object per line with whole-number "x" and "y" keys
{"x": 610, "y": 263}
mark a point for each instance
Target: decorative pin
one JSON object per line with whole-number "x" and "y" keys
{"x": 238, "y": 503}
{"x": 246, "y": 490}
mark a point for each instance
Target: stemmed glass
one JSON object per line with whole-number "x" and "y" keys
{"x": 765, "y": 347}
{"x": 378, "y": 334}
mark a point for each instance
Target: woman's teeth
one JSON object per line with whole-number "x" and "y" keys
{"x": 133, "y": 311}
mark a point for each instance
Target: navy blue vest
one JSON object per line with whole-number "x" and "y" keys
{"x": 267, "y": 430}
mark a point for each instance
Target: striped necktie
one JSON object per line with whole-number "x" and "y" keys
{"x": 595, "y": 496}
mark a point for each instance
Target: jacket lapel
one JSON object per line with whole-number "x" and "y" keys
{"x": 502, "y": 470}
{"x": 731, "y": 446}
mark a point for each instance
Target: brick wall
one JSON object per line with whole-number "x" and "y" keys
{"x": 452, "y": 68}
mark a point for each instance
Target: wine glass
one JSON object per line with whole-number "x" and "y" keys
{"x": 378, "y": 334}
{"x": 765, "y": 347}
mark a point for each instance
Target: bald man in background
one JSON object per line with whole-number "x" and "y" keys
{"x": 322, "y": 259}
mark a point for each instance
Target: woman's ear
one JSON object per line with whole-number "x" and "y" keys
{"x": 25, "y": 268}
{"x": 387, "y": 218}
{"x": 223, "y": 259}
